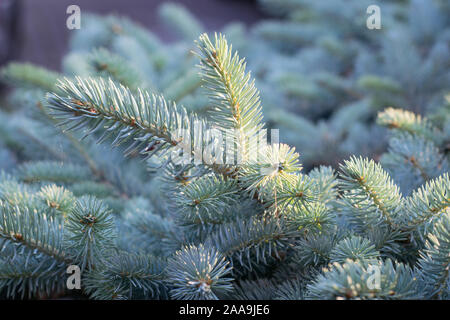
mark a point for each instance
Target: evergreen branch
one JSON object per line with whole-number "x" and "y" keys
{"x": 406, "y": 121}
{"x": 96, "y": 101}
{"x": 98, "y": 190}
{"x": 149, "y": 121}
{"x": 58, "y": 199}
{"x": 324, "y": 183}
{"x": 278, "y": 164}
{"x": 199, "y": 273}
{"x": 291, "y": 290}
{"x": 382, "y": 85}
{"x": 428, "y": 202}
{"x": 127, "y": 276}
{"x": 311, "y": 218}
{"x": 79, "y": 147}
{"x": 413, "y": 150}
{"x": 150, "y": 232}
{"x": 315, "y": 249}
{"x": 355, "y": 280}
{"x": 294, "y": 193}
{"x": 354, "y": 248}
{"x": 435, "y": 261}
{"x": 15, "y": 193}
{"x": 27, "y": 75}
{"x": 30, "y": 76}
{"x": 108, "y": 65}
{"x": 252, "y": 242}
{"x": 369, "y": 192}
{"x": 21, "y": 228}
{"x": 207, "y": 202}
{"x": 60, "y": 156}
{"x": 74, "y": 142}
{"x": 26, "y": 277}
{"x": 233, "y": 94}
{"x": 50, "y": 171}
{"x": 413, "y": 160}
{"x": 89, "y": 231}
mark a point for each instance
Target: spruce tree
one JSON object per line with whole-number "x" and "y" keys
{"x": 89, "y": 177}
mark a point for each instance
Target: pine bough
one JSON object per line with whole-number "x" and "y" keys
{"x": 250, "y": 230}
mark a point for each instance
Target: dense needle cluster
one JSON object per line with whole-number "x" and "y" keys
{"x": 141, "y": 226}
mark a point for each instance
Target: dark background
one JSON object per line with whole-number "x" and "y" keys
{"x": 35, "y": 30}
